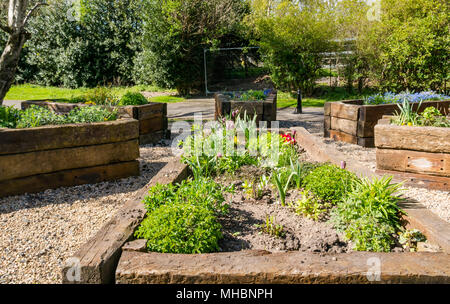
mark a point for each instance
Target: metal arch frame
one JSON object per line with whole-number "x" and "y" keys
{"x": 219, "y": 49}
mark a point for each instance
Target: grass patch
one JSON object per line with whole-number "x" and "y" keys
{"x": 33, "y": 92}
{"x": 167, "y": 99}
{"x": 324, "y": 94}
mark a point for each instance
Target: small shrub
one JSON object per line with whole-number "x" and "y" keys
{"x": 181, "y": 228}
{"x": 100, "y": 96}
{"x": 309, "y": 206}
{"x": 369, "y": 235}
{"x": 133, "y": 99}
{"x": 329, "y": 182}
{"x": 370, "y": 215}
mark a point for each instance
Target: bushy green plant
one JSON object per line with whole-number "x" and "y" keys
{"x": 183, "y": 218}
{"x": 181, "y": 228}
{"x": 133, "y": 99}
{"x": 90, "y": 114}
{"x": 252, "y": 95}
{"x": 101, "y": 96}
{"x": 330, "y": 183}
{"x": 8, "y": 117}
{"x": 432, "y": 117}
{"x": 370, "y": 214}
{"x": 309, "y": 206}
{"x": 36, "y": 116}
{"x": 367, "y": 234}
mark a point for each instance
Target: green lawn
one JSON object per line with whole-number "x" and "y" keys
{"x": 30, "y": 92}
{"x": 328, "y": 94}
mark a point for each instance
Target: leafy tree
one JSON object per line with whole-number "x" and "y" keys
{"x": 96, "y": 47}
{"x": 408, "y": 47}
{"x": 292, "y": 36}
{"x": 175, "y": 34}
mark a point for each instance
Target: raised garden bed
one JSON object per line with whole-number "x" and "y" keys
{"x": 423, "y": 152}
{"x": 36, "y": 159}
{"x": 353, "y": 122}
{"x": 265, "y": 110}
{"x": 99, "y": 258}
{"x": 152, "y": 117}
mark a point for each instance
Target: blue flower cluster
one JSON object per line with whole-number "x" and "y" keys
{"x": 390, "y": 97}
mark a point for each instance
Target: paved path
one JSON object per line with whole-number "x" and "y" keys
{"x": 311, "y": 119}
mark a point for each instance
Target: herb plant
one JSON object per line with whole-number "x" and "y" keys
{"x": 330, "y": 183}
{"x": 271, "y": 227}
{"x": 133, "y": 99}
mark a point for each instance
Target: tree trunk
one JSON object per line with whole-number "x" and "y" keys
{"x": 9, "y": 61}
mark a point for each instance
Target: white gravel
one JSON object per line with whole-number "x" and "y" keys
{"x": 40, "y": 231}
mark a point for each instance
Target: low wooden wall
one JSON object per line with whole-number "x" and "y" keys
{"x": 265, "y": 110}
{"x": 351, "y": 121}
{"x": 152, "y": 117}
{"x": 36, "y": 159}
{"x": 423, "y": 151}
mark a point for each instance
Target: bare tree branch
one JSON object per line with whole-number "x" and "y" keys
{"x": 32, "y": 10}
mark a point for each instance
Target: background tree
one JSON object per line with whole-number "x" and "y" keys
{"x": 18, "y": 14}
{"x": 292, "y": 36}
{"x": 175, "y": 34}
{"x": 97, "y": 47}
{"x": 408, "y": 48}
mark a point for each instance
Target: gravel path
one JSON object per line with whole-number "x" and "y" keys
{"x": 40, "y": 231}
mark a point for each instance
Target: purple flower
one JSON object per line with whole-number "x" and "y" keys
{"x": 343, "y": 164}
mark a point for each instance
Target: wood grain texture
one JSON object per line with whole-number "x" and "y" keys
{"x": 414, "y": 162}
{"x": 65, "y": 136}
{"x": 39, "y": 162}
{"x": 68, "y": 178}
{"x": 426, "y": 139}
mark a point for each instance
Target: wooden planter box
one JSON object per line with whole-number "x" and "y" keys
{"x": 36, "y": 159}
{"x": 415, "y": 152}
{"x": 153, "y": 123}
{"x": 265, "y": 110}
{"x": 351, "y": 121}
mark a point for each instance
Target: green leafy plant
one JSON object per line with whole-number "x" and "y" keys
{"x": 432, "y": 117}
{"x": 8, "y": 117}
{"x": 133, "y": 99}
{"x": 271, "y": 227}
{"x": 252, "y": 95}
{"x": 282, "y": 186}
{"x": 367, "y": 234}
{"x": 329, "y": 182}
{"x": 370, "y": 215}
{"x": 91, "y": 114}
{"x": 181, "y": 228}
{"x": 101, "y": 96}
{"x": 409, "y": 239}
{"x": 36, "y": 116}
{"x": 406, "y": 115}
{"x": 309, "y": 206}
{"x": 182, "y": 218}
